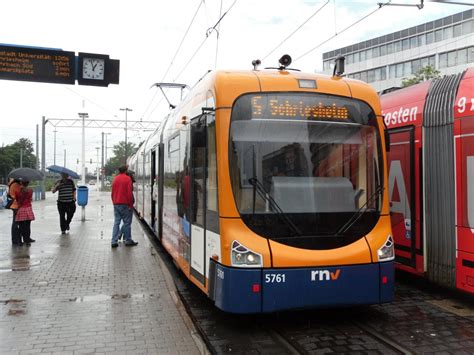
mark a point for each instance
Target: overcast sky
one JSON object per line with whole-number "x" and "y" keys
{"x": 145, "y": 34}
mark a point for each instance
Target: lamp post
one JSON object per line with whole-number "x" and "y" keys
{"x": 97, "y": 168}
{"x": 126, "y": 109}
{"x": 54, "y": 156}
{"x": 83, "y": 116}
{"x": 83, "y": 158}
{"x": 105, "y": 149}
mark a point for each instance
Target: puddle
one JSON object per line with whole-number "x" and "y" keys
{"x": 13, "y": 301}
{"x": 16, "y": 306}
{"x": 460, "y": 309}
{"x": 18, "y": 263}
{"x": 98, "y": 298}
{"x": 15, "y": 312}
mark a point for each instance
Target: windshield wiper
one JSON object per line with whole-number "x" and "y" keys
{"x": 355, "y": 217}
{"x": 274, "y": 207}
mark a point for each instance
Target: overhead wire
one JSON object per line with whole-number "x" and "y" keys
{"x": 182, "y": 40}
{"x": 381, "y": 5}
{"x": 149, "y": 104}
{"x": 217, "y": 40}
{"x": 172, "y": 60}
{"x": 221, "y": 16}
{"x": 296, "y": 30}
{"x": 89, "y": 100}
{"x": 208, "y": 32}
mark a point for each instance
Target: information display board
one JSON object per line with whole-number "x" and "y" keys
{"x": 37, "y": 64}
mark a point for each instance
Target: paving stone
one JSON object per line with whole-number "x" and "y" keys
{"x": 77, "y": 295}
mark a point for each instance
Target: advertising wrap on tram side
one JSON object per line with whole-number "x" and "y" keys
{"x": 431, "y": 130}
{"x": 464, "y": 160}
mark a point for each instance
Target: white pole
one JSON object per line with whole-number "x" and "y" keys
{"x": 54, "y": 156}
{"x": 98, "y": 170}
{"x": 83, "y": 159}
{"x": 83, "y": 154}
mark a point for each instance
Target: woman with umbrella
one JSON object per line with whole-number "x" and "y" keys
{"x": 14, "y": 189}
{"x": 14, "y": 186}
{"x": 25, "y": 213}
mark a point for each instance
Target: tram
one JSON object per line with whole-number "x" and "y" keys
{"x": 431, "y": 178}
{"x": 269, "y": 190}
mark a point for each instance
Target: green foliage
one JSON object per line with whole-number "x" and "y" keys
{"x": 118, "y": 157}
{"x": 426, "y": 73}
{"x": 10, "y": 156}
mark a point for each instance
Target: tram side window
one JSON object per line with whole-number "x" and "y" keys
{"x": 183, "y": 196}
{"x": 171, "y": 175}
{"x": 198, "y": 173}
{"x": 212, "y": 213}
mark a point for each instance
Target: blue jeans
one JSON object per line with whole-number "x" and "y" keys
{"x": 125, "y": 214}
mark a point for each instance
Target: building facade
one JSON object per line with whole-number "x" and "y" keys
{"x": 446, "y": 43}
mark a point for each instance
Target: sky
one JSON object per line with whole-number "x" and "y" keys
{"x": 146, "y": 36}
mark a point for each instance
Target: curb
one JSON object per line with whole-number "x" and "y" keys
{"x": 195, "y": 335}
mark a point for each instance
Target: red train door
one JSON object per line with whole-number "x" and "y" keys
{"x": 401, "y": 181}
{"x": 464, "y": 140}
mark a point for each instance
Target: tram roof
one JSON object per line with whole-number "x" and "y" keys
{"x": 229, "y": 84}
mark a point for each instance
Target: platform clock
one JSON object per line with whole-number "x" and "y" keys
{"x": 97, "y": 69}
{"x": 93, "y": 68}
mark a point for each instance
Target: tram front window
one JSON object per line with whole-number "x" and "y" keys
{"x": 298, "y": 181}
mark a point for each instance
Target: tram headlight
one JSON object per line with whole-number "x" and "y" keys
{"x": 387, "y": 251}
{"x": 242, "y": 256}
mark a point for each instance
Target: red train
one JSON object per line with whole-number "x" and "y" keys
{"x": 431, "y": 178}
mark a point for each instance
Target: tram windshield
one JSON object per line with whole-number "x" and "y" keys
{"x": 306, "y": 168}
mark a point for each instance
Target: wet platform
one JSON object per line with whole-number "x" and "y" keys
{"x": 74, "y": 294}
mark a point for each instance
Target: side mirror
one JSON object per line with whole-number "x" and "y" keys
{"x": 387, "y": 141}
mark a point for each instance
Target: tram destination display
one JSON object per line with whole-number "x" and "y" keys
{"x": 298, "y": 107}
{"x": 37, "y": 64}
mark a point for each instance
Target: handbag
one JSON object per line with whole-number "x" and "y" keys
{"x": 7, "y": 200}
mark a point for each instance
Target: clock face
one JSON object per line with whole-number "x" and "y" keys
{"x": 93, "y": 68}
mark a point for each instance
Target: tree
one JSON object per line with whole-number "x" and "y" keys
{"x": 423, "y": 74}
{"x": 118, "y": 157}
{"x": 12, "y": 156}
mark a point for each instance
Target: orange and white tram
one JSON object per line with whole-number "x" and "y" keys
{"x": 269, "y": 190}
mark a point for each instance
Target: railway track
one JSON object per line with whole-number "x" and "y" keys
{"x": 384, "y": 339}
{"x": 410, "y": 325}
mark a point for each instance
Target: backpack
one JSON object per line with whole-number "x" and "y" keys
{"x": 7, "y": 200}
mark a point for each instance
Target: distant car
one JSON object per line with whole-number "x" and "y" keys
{"x": 92, "y": 182}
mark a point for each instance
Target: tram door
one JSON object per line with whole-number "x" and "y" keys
{"x": 401, "y": 163}
{"x": 197, "y": 186}
{"x": 154, "y": 194}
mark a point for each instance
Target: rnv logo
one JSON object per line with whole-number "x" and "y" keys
{"x": 325, "y": 275}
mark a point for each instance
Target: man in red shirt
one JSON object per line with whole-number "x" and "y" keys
{"x": 122, "y": 198}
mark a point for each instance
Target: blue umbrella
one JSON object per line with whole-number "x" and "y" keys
{"x": 62, "y": 170}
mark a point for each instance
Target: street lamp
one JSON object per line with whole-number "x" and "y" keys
{"x": 105, "y": 150}
{"x": 104, "y": 158}
{"x": 97, "y": 168}
{"x": 126, "y": 109}
{"x": 83, "y": 116}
